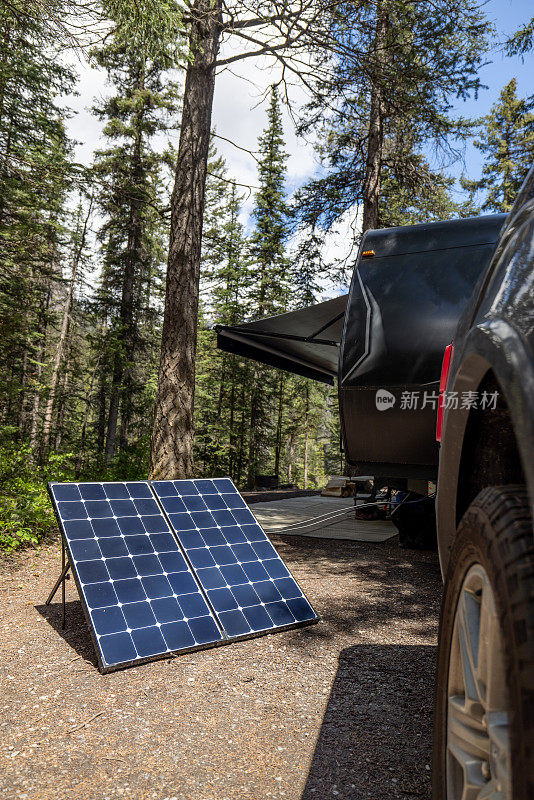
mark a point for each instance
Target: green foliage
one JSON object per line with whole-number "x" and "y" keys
{"x": 522, "y": 41}
{"x": 507, "y": 142}
{"x": 26, "y": 516}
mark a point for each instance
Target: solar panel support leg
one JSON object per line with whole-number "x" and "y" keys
{"x": 65, "y": 566}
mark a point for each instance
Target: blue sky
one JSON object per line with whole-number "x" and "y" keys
{"x": 507, "y": 16}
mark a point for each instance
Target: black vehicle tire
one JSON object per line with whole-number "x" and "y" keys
{"x": 491, "y": 573}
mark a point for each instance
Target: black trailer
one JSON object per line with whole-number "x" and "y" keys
{"x": 384, "y": 341}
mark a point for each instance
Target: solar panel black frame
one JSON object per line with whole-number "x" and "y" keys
{"x": 103, "y": 665}
{"x": 253, "y": 633}
{"x": 226, "y": 638}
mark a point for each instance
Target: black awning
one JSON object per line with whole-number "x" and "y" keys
{"x": 305, "y": 341}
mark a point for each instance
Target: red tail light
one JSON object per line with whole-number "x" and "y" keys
{"x": 445, "y": 369}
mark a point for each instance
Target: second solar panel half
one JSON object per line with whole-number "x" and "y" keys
{"x": 249, "y": 587}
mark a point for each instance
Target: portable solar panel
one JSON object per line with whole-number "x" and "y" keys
{"x": 139, "y": 594}
{"x": 247, "y": 584}
{"x": 171, "y": 566}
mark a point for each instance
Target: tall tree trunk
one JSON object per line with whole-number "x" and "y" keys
{"x": 306, "y": 437}
{"x": 172, "y": 439}
{"x": 41, "y": 332}
{"x": 375, "y": 141}
{"x": 47, "y": 422}
{"x": 278, "y": 447}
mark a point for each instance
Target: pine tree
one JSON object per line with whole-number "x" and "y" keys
{"x": 373, "y": 123}
{"x": 130, "y": 177}
{"x": 35, "y": 175}
{"x": 226, "y": 280}
{"x": 507, "y": 143}
{"x": 271, "y": 288}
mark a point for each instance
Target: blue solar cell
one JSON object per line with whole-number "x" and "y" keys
{"x": 301, "y": 609}
{"x": 166, "y": 609}
{"x": 93, "y": 571}
{"x": 173, "y": 505}
{"x": 222, "y": 599}
{"x": 280, "y": 613}
{"x": 245, "y": 595}
{"x": 173, "y": 562}
{"x": 213, "y": 537}
{"x": 224, "y": 485}
{"x": 116, "y": 491}
{"x": 243, "y": 516}
{"x": 129, "y": 590}
{"x": 181, "y": 522}
{"x": 130, "y": 526}
{"x": 139, "y": 615}
{"x": 98, "y": 508}
{"x": 163, "y": 542}
{"x": 234, "y": 535}
{"x": 123, "y": 508}
{"x": 106, "y": 527}
{"x": 211, "y": 578}
{"x": 234, "y": 574}
{"x": 234, "y": 623}
{"x": 223, "y": 518}
{"x": 155, "y": 524}
{"x": 138, "y": 545}
{"x": 258, "y": 618}
{"x": 288, "y": 588}
{"x": 108, "y": 620}
{"x": 113, "y": 547}
{"x": 206, "y": 487}
{"x": 203, "y": 519}
{"x": 99, "y": 595}
{"x": 200, "y": 557}
{"x": 182, "y": 583}
{"x": 215, "y": 502}
{"x": 158, "y": 586}
{"x": 121, "y": 568}
{"x": 178, "y": 635}
{"x": 85, "y": 549}
{"x": 194, "y": 502}
{"x": 192, "y": 605}
{"x": 80, "y": 529}
{"x": 267, "y": 591}
{"x": 67, "y": 491}
{"x": 92, "y": 491}
{"x": 72, "y": 510}
{"x": 147, "y": 506}
{"x": 233, "y": 500}
{"x": 117, "y": 648}
{"x": 147, "y": 565}
{"x": 149, "y": 642}
{"x": 223, "y": 555}
{"x": 131, "y": 572}
{"x": 204, "y": 629}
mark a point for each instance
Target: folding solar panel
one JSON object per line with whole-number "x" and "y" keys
{"x": 139, "y": 594}
{"x": 171, "y": 566}
{"x": 247, "y": 584}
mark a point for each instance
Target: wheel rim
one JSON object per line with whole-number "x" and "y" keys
{"x": 478, "y": 746}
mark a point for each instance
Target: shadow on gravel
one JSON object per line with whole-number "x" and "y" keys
{"x": 76, "y": 632}
{"x": 375, "y": 738}
{"x": 382, "y": 585}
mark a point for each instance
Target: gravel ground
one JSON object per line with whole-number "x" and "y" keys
{"x": 340, "y": 709}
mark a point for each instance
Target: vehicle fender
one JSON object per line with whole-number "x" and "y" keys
{"x": 497, "y": 346}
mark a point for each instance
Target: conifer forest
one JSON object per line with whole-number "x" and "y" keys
{"x": 115, "y": 269}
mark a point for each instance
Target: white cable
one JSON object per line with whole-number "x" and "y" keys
{"x": 324, "y": 518}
